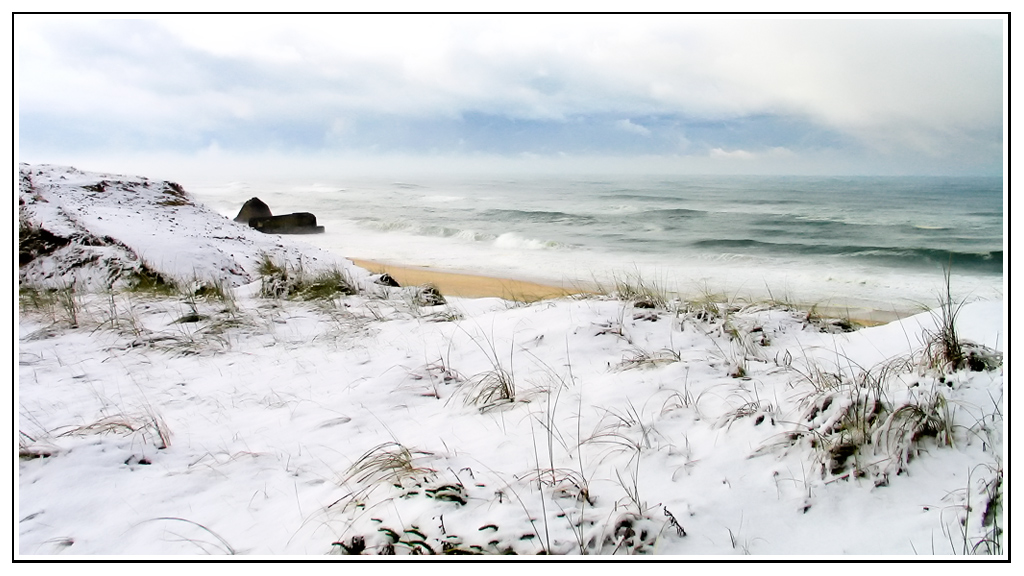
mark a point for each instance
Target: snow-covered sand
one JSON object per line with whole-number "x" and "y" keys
{"x": 187, "y": 424}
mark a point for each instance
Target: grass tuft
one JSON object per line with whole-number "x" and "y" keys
{"x": 387, "y": 462}
{"x": 640, "y": 358}
{"x": 283, "y": 281}
{"x": 944, "y": 348}
{"x": 491, "y": 388}
{"x": 145, "y": 280}
{"x": 642, "y": 292}
{"x": 70, "y": 304}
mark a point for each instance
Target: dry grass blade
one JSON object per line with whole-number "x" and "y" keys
{"x": 163, "y": 433}
{"x": 149, "y": 424}
{"x": 640, "y": 358}
{"x": 908, "y": 424}
{"x": 640, "y": 291}
{"x": 285, "y": 281}
{"x": 117, "y": 424}
{"x": 491, "y": 389}
{"x": 944, "y": 350}
{"x": 388, "y": 461}
{"x": 226, "y": 547}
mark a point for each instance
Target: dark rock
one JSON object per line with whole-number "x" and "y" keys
{"x": 253, "y": 208}
{"x": 296, "y": 223}
{"x": 387, "y": 280}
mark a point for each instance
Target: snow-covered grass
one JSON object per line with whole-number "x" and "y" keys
{"x": 223, "y": 417}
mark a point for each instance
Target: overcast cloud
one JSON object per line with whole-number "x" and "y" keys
{"x": 658, "y": 93}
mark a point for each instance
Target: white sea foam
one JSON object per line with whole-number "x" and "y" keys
{"x": 511, "y": 240}
{"x": 470, "y": 235}
{"x": 721, "y": 243}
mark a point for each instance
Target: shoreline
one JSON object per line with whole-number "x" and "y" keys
{"x": 465, "y": 285}
{"x": 462, "y": 285}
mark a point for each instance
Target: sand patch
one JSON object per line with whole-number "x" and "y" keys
{"x": 469, "y": 285}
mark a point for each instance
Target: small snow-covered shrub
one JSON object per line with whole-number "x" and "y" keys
{"x": 870, "y": 423}
{"x": 283, "y": 281}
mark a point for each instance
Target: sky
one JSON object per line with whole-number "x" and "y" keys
{"x": 224, "y": 95}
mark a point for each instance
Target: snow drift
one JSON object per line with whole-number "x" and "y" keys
{"x": 374, "y": 421}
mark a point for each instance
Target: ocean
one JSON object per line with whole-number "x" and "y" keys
{"x": 872, "y": 242}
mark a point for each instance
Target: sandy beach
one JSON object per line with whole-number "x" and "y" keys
{"x": 468, "y": 285}
{"x": 480, "y": 286}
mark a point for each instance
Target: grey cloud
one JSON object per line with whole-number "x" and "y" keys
{"x": 603, "y": 83}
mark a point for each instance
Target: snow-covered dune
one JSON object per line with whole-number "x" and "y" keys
{"x": 380, "y": 422}
{"x": 117, "y": 224}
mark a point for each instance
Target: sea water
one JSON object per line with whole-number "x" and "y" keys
{"x": 875, "y": 242}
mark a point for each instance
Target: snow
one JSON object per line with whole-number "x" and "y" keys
{"x": 279, "y": 427}
{"x": 168, "y": 231}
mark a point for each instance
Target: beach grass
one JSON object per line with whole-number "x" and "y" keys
{"x": 858, "y": 422}
{"x": 293, "y": 281}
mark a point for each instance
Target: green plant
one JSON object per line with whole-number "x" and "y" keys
{"x": 145, "y": 279}
{"x": 268, "y": 266}
{"x": 274, "y": 278}
{"x": 281, "y": 281}
{"x": 324, "y": 286}
{"x": 38, "y": 300}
